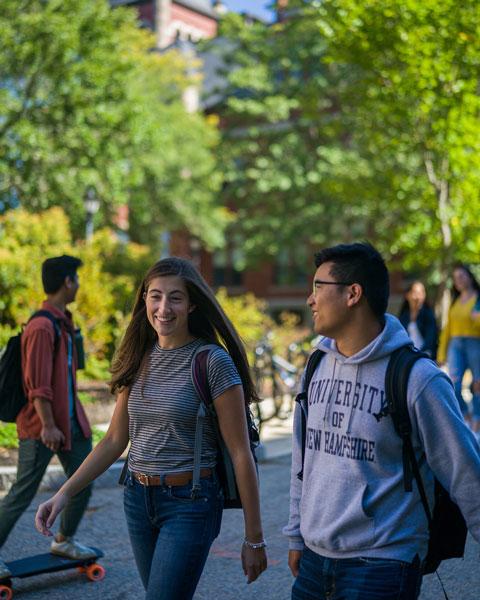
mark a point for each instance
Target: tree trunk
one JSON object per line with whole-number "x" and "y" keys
{"x": 442, "y": 192}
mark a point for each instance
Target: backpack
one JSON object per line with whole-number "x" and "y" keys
{"x": 447, "y": 527}
{"x": 12, "y": 394}
{"x": 225, "y": 470}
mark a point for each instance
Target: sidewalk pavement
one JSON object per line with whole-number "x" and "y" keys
{"x": 275, "y": 443}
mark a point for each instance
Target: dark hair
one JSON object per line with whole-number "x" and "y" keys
{"x": 473, "y": 279}
{"x": 405, "y": 307}
{"x": 207, "y": 321}
{"x": 360, "y": 263}
{"x": 56, "y": 269}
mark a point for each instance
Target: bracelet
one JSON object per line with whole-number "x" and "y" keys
{"x": 257, "y": 546}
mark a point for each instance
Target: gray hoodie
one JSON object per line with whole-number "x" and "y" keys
{"x": 352, "y": 500}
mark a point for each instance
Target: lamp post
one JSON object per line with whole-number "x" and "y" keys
{"x": 92, "y": 205}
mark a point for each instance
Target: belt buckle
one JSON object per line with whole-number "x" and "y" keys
{"x": 143, "y": 479}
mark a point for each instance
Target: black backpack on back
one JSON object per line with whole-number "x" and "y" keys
{"x": 447, "y": 527}
{"x": 12, "y": 395}
{"x": 225, "y": 470}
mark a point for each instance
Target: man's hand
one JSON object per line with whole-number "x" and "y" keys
{"x": 294, "y": 557}
{"x": 52, "y": 437}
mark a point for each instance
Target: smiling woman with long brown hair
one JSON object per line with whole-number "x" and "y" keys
{"x": 171, "y": 528}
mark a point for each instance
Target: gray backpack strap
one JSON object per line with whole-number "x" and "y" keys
{"x": 199, "y": 373}
{"x": 197, "y": 451}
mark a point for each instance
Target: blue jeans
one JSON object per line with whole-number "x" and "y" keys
{"x": 464, "y": 353}
{"x": 171, "y": 534}
{"x": 321, "y": 578}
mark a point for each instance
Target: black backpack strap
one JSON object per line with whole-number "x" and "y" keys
{"x": 57, "y": 329}
{"x": 199, "y": 374}
{"x": 397, "y": 375}
{"x": 302, "y": 398}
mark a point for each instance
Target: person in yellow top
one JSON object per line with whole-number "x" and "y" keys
{"x": 460, "y": 340}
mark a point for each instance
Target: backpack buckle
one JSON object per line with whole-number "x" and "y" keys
{"x": 301, "y": 396}
{"x": 196, "y": 487}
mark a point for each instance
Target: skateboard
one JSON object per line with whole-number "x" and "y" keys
{"x": 49, "y": 563}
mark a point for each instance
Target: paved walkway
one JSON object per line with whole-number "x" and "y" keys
{"x": 104, "y": 526}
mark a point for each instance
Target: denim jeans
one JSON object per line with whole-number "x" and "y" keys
{"x": 33, "y": 460}
{"x": 321, "y": 578}
{"x": 171, "y": 534}
{"x": 464, "y": 353}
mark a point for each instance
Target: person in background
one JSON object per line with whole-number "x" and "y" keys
{"x": 53, "y": 420}
{"x": 460, "y": 341}
{"x": 419, "y": 320}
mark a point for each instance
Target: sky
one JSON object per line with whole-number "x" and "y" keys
{"x": 255, "y": 7}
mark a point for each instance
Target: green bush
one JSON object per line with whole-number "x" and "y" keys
{"x": 110, "y": 273}
{"x": 248, "y": 315}
{"x": 97, "y": 435}
{"x": 8, "y": 435}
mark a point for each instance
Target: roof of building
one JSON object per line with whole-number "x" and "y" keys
{"x": 201, "y": 6}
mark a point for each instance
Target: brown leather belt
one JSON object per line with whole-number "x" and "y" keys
{"x": 170, "y": 479}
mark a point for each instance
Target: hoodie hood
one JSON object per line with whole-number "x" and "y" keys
{"x": 392, "y": 336}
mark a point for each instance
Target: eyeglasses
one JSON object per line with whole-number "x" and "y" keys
{"x": 318, "y": 282}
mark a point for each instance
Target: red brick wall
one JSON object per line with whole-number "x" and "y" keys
{"x": 206, "y": 24}
{"x": 146, "y": 13}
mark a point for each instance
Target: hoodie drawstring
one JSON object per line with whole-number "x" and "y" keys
{"x": 350, "y": 417}
{"x": 326, "y": 412}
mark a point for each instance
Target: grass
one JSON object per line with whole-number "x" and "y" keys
{"x": 8, "y": 435}
{"x": 86, "y": 398}
{"x": 97, "y": 435}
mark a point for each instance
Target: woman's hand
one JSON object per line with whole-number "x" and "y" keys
{"x": 48, "y": 511}
{"x": 254, "y": 562}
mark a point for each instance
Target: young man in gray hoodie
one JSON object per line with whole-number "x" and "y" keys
{"x": 353, "y": 530}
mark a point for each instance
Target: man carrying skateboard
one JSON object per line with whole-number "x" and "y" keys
{"x": 53, "y": 420}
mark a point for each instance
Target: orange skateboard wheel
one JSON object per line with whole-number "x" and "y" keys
{"x": 95, "y": 572}
{"x": 6, "y": 592}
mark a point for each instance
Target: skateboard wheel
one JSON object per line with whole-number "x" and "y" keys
{"x": 5, "y": 592}
{"x": 95, "y": 572}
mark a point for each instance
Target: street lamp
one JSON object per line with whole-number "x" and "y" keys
{"x": 92, "y": 205}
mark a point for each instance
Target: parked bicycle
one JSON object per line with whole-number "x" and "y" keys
{"x": 276, "y": 378}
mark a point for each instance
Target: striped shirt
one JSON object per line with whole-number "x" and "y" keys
{"x": 163, "y": 405}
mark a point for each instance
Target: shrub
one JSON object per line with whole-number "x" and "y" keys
{"x": 110, "y": 273}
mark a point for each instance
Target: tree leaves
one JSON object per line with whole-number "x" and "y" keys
{"x": 84, "y": 101}
{"x": 358, "y": 119}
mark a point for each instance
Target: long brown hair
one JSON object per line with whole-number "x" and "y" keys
{"x": 208, "y": 322}
{"x": 471, "y": 276}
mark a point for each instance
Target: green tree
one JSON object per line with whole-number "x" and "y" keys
{"x": 413, "y": 105}
{"x": 289, "y": 172}
{"x": 84, "y": 102}
{"x": 110, "y": 274}
{"x": 358, "y": 119}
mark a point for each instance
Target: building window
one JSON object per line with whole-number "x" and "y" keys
{"x": 292, "y": 267}
{"x": 228, "y": 263}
